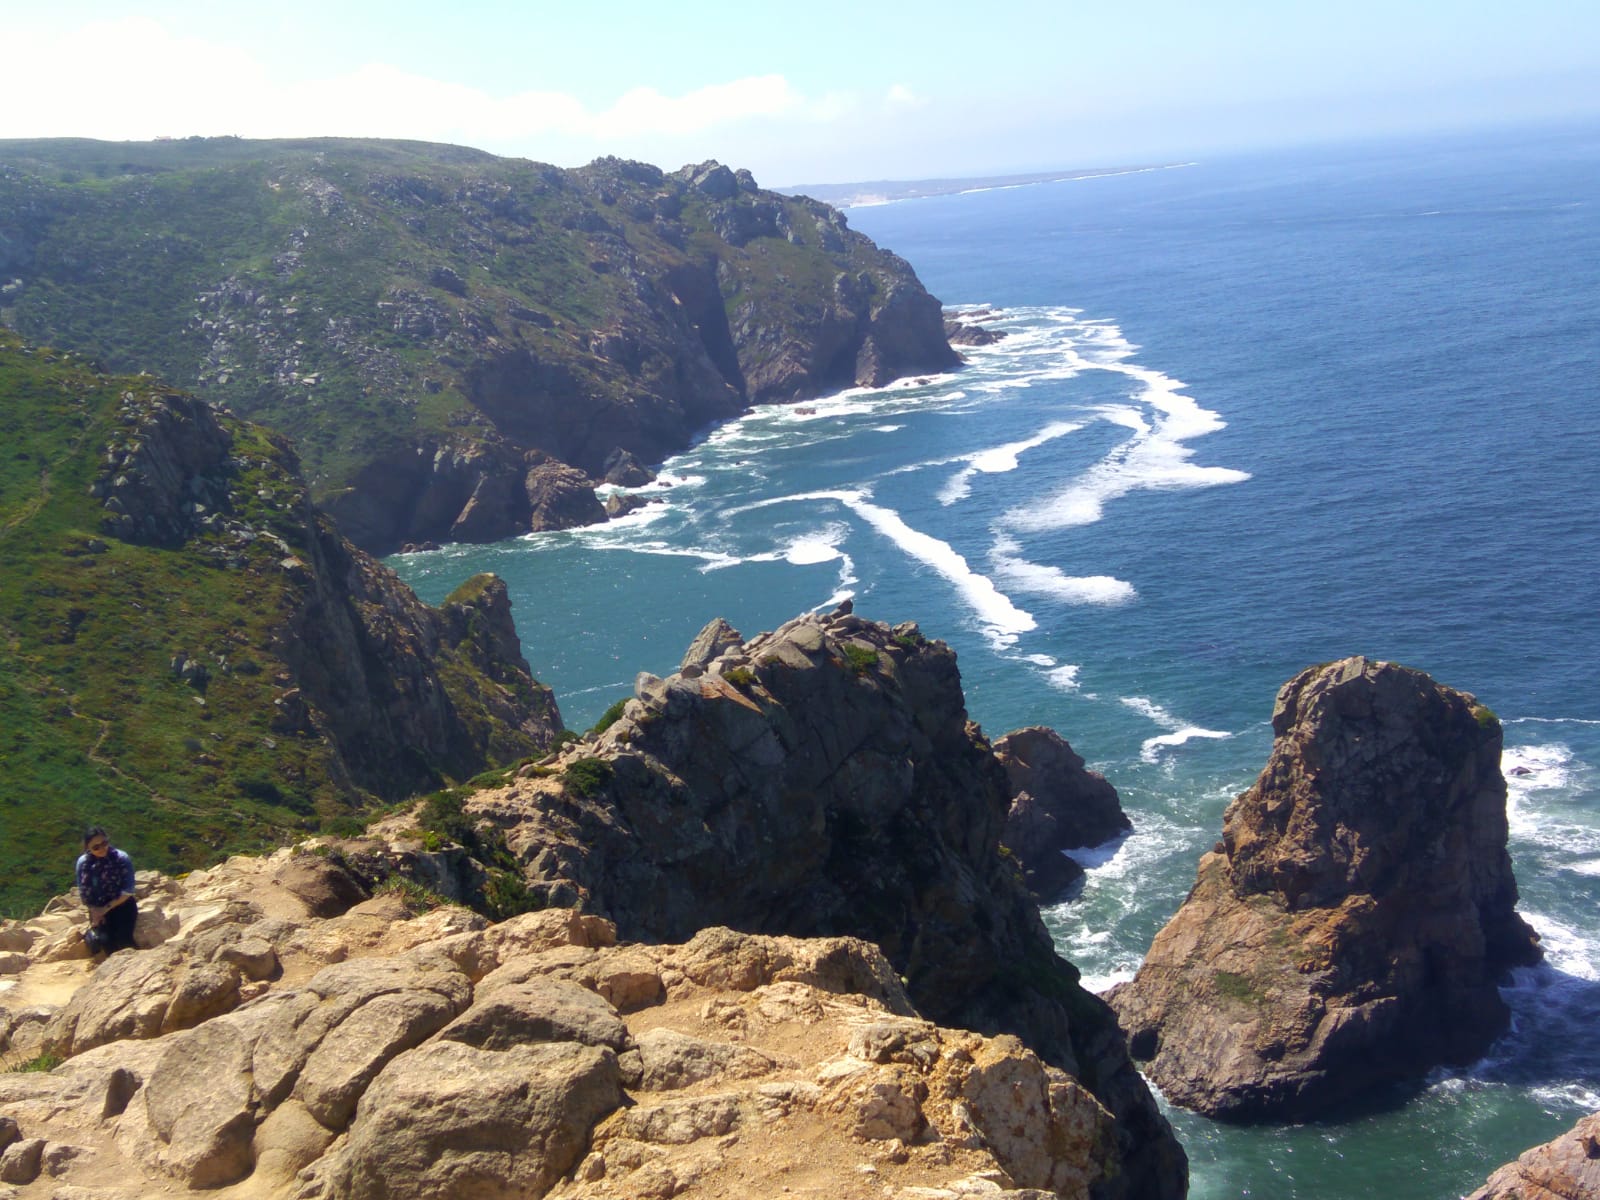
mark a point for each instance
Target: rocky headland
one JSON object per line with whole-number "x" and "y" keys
{"x": 774, "y": 939}
{"x": 435, "y": 325}
{"x": 1348, "y": 932}
{"x": 180, "y": 622}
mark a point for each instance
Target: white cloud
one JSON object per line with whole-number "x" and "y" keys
{"x": 902, "y": 97}
{"x": 135, "y": 79}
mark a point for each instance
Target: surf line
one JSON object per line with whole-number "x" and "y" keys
{"x": 1002, "y": 620}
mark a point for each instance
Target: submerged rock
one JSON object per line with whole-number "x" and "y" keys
{"x": 1349, "y": 930}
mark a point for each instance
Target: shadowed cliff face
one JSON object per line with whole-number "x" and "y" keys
{"x": 824, "y": 779}
{"x": 420, "y": 318}
{"x": 1349, "y": 930}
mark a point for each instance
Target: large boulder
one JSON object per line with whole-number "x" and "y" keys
{"x": 1349, "y": 930}
{"x": 1057, "y": 804}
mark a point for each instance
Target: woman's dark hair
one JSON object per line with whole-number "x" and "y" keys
{"x": 93, "y": 832}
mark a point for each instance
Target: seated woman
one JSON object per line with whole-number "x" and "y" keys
{"x": 105, "y": 883}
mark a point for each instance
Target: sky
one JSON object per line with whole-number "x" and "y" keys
{"x": 804, "y": 93}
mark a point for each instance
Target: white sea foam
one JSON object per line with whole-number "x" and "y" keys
{"x": 1064, "y": 677}
{"x": 1042, "y": 580}
{"x": 1155, "y": 457}
{"x": 1038, "y": 660}
{"x": 887, "y": 428}
{"x": 1179, "y": 732}
{"x": 999, "y": 459}
{"x": 1002, "y": 621}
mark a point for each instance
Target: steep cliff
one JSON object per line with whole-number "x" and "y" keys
{"x": 193, "y": 655}
{"x": 824, "y": 780}
{"x": 429, "y": 323}
{"x": 1349, "y": 930}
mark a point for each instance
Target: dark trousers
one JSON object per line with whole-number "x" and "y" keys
{"x": 117, "y": 928}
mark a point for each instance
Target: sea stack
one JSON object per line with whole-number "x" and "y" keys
{"x": 1349, "y": 930}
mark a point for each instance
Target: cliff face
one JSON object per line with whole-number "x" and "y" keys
{"x": 823, "y": 780}
{"x": 194, "y": 651}
{"x": 429, "y": 323}
{"x": 307, "y": 1047}
{"x": 1349, "y": 930}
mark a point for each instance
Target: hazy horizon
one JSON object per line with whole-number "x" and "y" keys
{"x": 1038, "y": 87}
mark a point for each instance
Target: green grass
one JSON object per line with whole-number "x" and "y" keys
{"x": 586, "y": 776}
{"x": 861, "y": 659}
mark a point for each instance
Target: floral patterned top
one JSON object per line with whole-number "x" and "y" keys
{"x": 102, "y": 880}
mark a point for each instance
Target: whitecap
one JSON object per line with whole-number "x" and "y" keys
{"x": 1042, "y": 580}
{"x": 1064, "y": 677}
{"x": 887, "y": 428}
{"x": 998, "y": 460}
{"x": 1178, "y": 733}
{"x": 1002, "y": 620}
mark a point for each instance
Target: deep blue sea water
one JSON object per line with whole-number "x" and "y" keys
{"x": 1252, "y": 414}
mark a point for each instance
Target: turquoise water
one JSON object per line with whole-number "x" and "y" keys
{"x": 1251, "y": 415}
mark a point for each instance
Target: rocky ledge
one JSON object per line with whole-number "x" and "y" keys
{"x": 372, "y": 1052}
{"x": 1348, "y": 931}
{"x": 824, "y": 780}
{"x": 1567, "y": 1168}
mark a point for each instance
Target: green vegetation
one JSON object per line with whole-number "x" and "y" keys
{"x": 740, "y": 677}
{"x": 861, "y": 658}
{"x": 586, "y": 777}
{"x": 417, "y": 898}
{"x": 99, "y": 723}
{"x": 41, "y": 1063}
{"x": 1485, "y": 716}
{"x": 1239, "y": 988}
{"x": 610, "y": 717}
{"x": 347, "y": 292}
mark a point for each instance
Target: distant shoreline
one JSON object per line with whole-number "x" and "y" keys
{"x": 890, "y": 191}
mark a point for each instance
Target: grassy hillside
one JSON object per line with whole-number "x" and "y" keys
{"x": 369, "y": 297}
{"x": 143, "y": 681}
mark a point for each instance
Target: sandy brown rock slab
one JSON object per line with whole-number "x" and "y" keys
{"x": 1349, "y": 931}
{"x": 450, "y": 1120}
{"x": 1567, "y": 1168}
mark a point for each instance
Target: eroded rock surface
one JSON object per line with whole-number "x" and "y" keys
{"x": 387, "y": 1055}
{"x": 819, "y": 780}
{"x": 1348, "y": 931}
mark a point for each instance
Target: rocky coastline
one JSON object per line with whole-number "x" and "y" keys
{"x": 459, "y": 344}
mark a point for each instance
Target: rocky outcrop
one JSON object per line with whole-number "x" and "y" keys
{"x": 419, "y": 318}
{"x": 367, "y": 662}
{"x": 384, "y": 1054}
{"x": 1057, "y": 804}
{"x": 1349, "y": 930}
{"x": 824, "y": 780}
{"x": 1567, "y": 1168}
{"x": 561, "y": 497}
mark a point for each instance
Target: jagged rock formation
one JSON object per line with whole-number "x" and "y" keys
{"x": 1057, "y": 804}
{"x": 824, "y": 780}
{"x": 373, "y": 1053}
{"x": 1567, "y": 1168}
{"x": 180, "y": 622}
{"x": 420, "y": 318}
{"x": 1349, "y": 930}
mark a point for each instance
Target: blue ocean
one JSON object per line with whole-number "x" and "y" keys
{"x": 1249, "y": 415}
